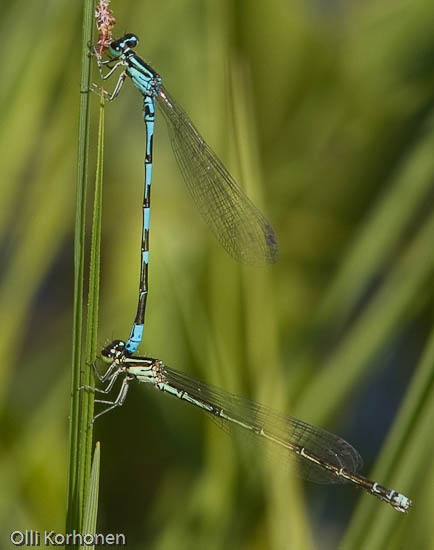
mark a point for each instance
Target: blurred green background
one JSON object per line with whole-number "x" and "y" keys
{"x": 323, "y": 110}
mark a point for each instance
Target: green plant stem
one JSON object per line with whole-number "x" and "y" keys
{"x": 91, "y": 505}
{"x": 75, "y": 485}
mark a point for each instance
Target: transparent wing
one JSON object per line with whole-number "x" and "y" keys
{"x": 236, "y": 222}
{"x": 325, "y": 445}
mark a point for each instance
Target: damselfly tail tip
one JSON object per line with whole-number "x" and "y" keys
{"x": 401, "y": 503}
{"x": 398, "y": 501}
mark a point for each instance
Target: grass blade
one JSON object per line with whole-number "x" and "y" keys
{"x": 91, "y": 505}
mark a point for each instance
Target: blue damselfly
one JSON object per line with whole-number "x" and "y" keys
{"x": 237, "y": 223}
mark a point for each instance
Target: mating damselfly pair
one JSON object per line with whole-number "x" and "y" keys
{"x": 244, "y": 232}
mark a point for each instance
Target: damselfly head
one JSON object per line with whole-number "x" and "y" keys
{"x": 113, "y": 351}
{"x": 122, "y": 45}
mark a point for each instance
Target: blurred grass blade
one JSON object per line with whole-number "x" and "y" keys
{"x": 353, "y": 358}
{"x": 407, "y": 451}
{"x": 91, "y": 504}
{"x": 383, "y": 228}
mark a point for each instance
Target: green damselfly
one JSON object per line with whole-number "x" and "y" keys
{"x": 319, "y": 455}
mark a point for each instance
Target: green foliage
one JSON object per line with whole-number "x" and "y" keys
{"x": 323, "y": 112}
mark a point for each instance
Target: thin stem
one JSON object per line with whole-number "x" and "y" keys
{"x": 77, "y": 436}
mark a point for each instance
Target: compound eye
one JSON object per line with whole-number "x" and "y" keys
{"x": 131, "y": 40}
{"x": 115, "y": 49}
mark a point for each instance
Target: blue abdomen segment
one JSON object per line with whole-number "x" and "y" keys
{"x": 137, "y": 329}
{"x": 134, "y": 339}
